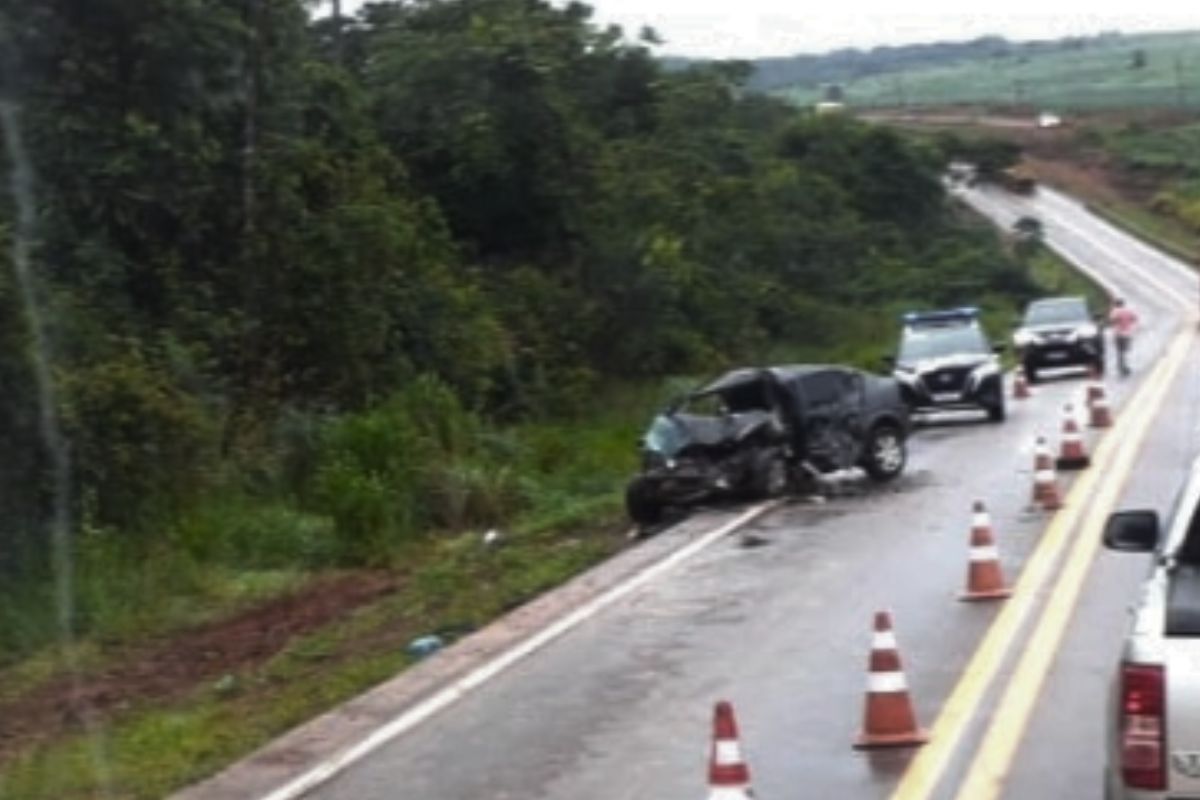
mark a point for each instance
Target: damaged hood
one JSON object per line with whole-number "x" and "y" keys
{"x": 671, "y": 434}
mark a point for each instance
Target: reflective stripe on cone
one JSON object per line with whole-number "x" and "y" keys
{"x": 728, "y": 773}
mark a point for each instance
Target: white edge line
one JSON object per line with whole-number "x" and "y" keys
{"x": 1177, "y": 265}
{"x": 1127, "y": 263}
{"x": 414, "y": 716}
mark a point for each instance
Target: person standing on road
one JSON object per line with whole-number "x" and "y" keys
{"x": 1123, "y": 321}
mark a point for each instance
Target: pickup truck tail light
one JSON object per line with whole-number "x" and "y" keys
{"x": 1143, "y": 726}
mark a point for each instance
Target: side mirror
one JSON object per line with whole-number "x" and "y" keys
{"x": 1132, "y": 531}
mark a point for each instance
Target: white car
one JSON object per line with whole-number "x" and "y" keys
{"x": 1154, "y": 713}
{"x": 1048, "y": 119}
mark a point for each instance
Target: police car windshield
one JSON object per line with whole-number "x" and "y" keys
{"x": 923, "y": 342}
{"x": 1056, "y": 312}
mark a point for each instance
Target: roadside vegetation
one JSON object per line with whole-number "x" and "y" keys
{"x": 323, "y": 318}
{"x": 1158, "y": 169}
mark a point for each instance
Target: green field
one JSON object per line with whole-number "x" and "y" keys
{"x": 1094, "y": 74}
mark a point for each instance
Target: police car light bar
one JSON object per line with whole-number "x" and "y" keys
{"x": 964, "y": 313}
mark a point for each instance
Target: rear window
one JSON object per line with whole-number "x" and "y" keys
{"x": 1057, "y": 311}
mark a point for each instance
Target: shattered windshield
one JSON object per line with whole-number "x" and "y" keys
{"x": 667, "y": 436}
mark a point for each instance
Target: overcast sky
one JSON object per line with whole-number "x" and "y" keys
{"x": 753, "y": 28}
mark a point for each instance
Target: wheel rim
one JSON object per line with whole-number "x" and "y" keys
{"x": 889, "y": 454}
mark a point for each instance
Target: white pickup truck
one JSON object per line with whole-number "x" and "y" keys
{"x": 1154, "y": 714}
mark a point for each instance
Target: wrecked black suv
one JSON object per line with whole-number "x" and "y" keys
{"x": 755, "y": 433}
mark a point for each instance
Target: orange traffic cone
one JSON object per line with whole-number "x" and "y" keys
{"x": 728, "y": 773}
{"x": 1020, "y": 385}
{"x": 888, "y": 719}
{"x": 1045, "y": 481}
{"x": 1071, "y": 454}
{"x": 984, "y": 581}
{"x": 1101, "y": 414}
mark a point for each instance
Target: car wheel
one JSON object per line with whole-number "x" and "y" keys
{"x": 771, "y": 478}
{"x": 996, "y": 411}
{"x": 1031, "y": 374}
{"x": 642, "y": 502}
{"x": 886, "y": 453}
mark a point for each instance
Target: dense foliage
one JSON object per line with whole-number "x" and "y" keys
{"x": 312, "y": 264}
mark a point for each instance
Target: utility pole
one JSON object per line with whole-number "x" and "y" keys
{"x": 337, "y": 31}
{"x": 251, "y": 87}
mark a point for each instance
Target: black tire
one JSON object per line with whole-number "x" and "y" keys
{"x": 886, "y": 452}
{"x": 1099, "y": 365}
{"x": 642, "y": 502}
{"x": 996, "y": 411}
{"x": 1031, "y": 374}
{"x": 771, "y": 477}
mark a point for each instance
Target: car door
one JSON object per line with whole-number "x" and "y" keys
{"x": 853, "y": 406}
{"x": 826, "y": 416}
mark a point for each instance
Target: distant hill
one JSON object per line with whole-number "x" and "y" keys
{"x": 841, "y": 66}
{"x": 1107, "y": 70}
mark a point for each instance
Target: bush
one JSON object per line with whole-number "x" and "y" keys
{"x": 247, "y": 534}
{"x": 389, "y": 474}
{"x": 141, "y": 445}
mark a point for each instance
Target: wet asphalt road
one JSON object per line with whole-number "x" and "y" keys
{"x": 1063, "y": 753}
{"x": 619, "y": 708}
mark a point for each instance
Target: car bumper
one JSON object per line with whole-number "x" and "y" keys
{"x": 1062, "y": 353}
{"x": 688, "y": 484}
{"x": 986, "y": 395}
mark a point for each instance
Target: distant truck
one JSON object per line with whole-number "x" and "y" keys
{"x": 1048, "y": 119}
{"x": 1017, "y": 179}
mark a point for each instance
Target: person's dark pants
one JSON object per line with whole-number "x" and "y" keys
{"x": 1122, "y": 343}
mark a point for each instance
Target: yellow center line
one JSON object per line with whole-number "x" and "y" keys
{"x": 986, "y": 775}
{"x": 923, "y": 774}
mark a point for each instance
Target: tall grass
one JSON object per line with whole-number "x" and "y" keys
{"x": 367, "y": 489}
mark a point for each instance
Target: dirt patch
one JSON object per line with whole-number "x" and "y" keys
{"x": 1095, "y": 181}
{"x": 169, "y": 668}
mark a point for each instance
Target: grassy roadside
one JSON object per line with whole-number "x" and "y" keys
{"x": 1165, "y": 234}
{"x": 458, "y": 585}
{"x": 1056, "y": 276}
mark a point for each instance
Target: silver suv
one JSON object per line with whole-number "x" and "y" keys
{"x": 1154, "y": 713}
